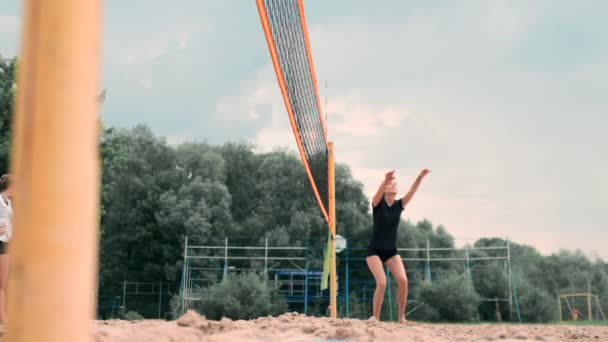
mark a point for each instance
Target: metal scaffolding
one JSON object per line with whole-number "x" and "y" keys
{"x": 297, "y": 270}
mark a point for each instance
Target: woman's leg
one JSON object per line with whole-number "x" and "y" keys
{"x": 3, "y": 284}
{"x": 395, "y": 264}
{"x": 375, "y": 265}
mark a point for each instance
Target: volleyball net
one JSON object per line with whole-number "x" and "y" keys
{"x": 286, "y": 32}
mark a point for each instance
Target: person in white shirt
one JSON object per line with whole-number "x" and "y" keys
{"x": 6, "y": 232}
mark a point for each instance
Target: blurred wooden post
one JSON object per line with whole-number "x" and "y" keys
{"x": 333, "y": 284}
{"x": 56, "y": 172}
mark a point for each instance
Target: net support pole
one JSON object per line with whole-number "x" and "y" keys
{"x": 333, "y": 283}
{"x": 55, "y": 163}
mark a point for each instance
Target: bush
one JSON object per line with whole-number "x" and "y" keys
{"x": 536, "y": 305}
{"x": 176, "y": 305}
{"x": 448, "y": 299}
{"x": 132, "y": 316}
{"x": 244, "y": 296}
{"x": 359, "y": 309}
{"x": 425, "y": 313}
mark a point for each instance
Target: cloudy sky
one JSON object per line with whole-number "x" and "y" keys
{"x": 505, "y": 101}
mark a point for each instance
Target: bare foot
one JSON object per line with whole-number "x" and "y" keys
{"x": 402, "y": 320}
{"x": 373, "y": 319}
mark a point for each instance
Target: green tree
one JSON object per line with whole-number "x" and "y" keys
{"x": 7, "y": 94}
{"x": 138, "y": 168}
{"x": 448, "y": 299}
{"x": 241, "y": 178}
{"x": 536, "y": 304}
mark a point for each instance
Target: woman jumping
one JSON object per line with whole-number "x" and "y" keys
{"x": 383, "y": 246}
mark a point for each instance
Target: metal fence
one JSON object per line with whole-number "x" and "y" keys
{"x": 297, "y": 270}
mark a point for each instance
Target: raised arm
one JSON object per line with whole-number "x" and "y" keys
{"x": 408, "y": 197}
{"x": 388, "y": 177}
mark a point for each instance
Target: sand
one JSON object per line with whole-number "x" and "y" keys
{"x": 300, "y": 328}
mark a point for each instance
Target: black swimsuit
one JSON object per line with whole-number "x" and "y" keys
{"x": 384, "y": 236}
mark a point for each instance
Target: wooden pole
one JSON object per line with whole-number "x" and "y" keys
{"x": 333, "y": 286}
{"x": 56, "y": 171}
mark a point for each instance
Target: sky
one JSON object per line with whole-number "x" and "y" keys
{"x": 505, "y": 101}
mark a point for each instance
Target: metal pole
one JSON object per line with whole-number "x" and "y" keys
{"x": 468, "y": 269}
{"x": 306, "y": 289}
{"x": 561, "y": 317}
{"x": 160, "y": 299}
{"x": 333, "y": 287}
{"x": 291, "y": 283}
{"x": 347, "y": 285}
{"x": 266, "y": 257}
{"x": 589, "y": 305}
{"x": 589, "y": 308}
{"x": 226, "y": 259}
{"x": 390, "y": 293}
{"x": 510, "y": 279}
{"x": 559, "y": 302}
{"x": 185, "y": 285}
{"x": 428, "y": 260}
{"x": 599, "y": 307}
{"x": 124, "y": 293}
{"x": 55, "y": 151}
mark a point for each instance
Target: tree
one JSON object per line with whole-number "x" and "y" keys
{"x": 536, "y": 305}
{"x": 241, "y": 178}
{"x": 7, "y": 95}
{"x": 154, "y": 195}
{"x": 448, "y": 299}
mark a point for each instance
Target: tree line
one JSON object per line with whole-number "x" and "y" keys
{"x": 153, "y": 194}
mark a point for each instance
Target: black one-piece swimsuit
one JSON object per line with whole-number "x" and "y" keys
{"x": 384, "y": 235}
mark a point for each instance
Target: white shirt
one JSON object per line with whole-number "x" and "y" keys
{"x": 6, "y": 218}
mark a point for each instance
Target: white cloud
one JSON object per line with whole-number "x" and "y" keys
{"x": 177, "y": 139}
{"x": 134, "y": 49}
{"x": 146, "y": 83}
{"x": 244, "y": 102}
{"x": 183, "y": 39}
{"x": 358, "y": 115}
{"x": 428, "y": 93}
{"x": 9, "y": 24}
{"x": 145, "y": 52}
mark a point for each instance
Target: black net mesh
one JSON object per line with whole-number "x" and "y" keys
{"x": 286, "y": 24}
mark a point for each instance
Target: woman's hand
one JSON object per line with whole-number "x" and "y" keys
{"x": 424, "y": 172}
{"x": 2, "y": 230}
{"x": 389, "y": 177}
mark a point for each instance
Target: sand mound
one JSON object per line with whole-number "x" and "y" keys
{"x": 300, "y": 328}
